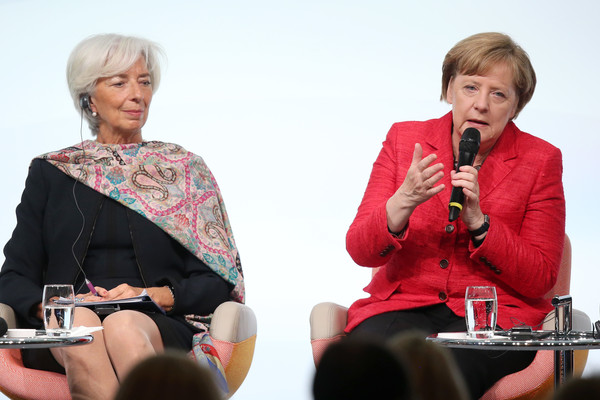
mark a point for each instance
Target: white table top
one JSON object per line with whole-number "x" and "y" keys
{"x": 35, "y": 339}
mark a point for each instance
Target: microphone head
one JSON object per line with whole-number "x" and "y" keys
{"x": 3, "y": 326}
{"x": 470, "y": 141}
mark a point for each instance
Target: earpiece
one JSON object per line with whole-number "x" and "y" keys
{"x": 84, "y": 102}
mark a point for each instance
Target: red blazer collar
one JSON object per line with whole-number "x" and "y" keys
{"x": 495, "y": 167}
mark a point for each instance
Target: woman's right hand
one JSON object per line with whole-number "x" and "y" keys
{"x": 417, "y": 188}
{"x": 89, "y": 297}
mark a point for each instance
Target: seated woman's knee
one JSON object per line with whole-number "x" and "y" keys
{"x": 125, "y": 323}
{"x": 85, "y": 317}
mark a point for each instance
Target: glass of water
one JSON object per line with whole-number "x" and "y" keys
{"x": 481, "y": 310}
{"x": 58, "y": 302}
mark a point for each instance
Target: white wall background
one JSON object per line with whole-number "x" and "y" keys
{"x": 288, "y": 102}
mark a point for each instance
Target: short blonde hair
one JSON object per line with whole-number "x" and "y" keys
{"x": 106, "y": 55}
{"x": 477, "y": 54}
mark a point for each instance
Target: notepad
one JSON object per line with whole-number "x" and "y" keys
{"x": 143, "y": 302}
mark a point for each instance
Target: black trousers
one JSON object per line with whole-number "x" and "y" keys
{"x": 480, "y": 368}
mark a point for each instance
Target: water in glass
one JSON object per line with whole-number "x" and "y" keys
{"x": 59, "y": 304}
{"x": 481, "y": 311}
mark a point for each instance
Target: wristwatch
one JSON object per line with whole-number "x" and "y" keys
{"x": 483, "y": 228}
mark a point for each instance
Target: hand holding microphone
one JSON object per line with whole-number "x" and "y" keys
{"x": 467, "y": 150}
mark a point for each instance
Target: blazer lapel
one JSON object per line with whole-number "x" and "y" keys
{"x": 495, "y": 167}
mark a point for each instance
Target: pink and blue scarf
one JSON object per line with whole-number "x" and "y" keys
{"x": 168, "y": 185}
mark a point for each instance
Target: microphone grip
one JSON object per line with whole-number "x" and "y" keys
{"x": 453, "y": 214}
{"x": 457, "y": 198}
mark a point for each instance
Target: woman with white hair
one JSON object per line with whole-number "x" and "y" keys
{"x": 126, "y": 214}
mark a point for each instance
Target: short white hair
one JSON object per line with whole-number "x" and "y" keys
{"x": 106, "y": 55}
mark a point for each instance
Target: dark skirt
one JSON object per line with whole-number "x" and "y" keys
{"x": 176, "y": 334}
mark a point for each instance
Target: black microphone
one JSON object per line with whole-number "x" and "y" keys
{"x": 467, "y": 150}
{"x": 3, "y": 326}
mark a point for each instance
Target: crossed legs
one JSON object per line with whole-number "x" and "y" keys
{"x": 94, "y": 370}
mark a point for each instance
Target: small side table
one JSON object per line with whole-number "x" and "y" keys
{"x": 574, "y": 341}
{"x": 563, "y": 340}
{"x": 43, "y": 341}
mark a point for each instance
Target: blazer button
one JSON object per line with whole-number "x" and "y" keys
{"x": 385, "y": 251}
{"x": 449, "y": 228}
{"x": 444, "y": 264}
{"x": 442, "y": 296}
{"x": 482, "y": 259}
{"x": 497, "y": 271}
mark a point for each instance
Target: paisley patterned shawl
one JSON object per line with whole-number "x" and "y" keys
{"x": 168, "y": 185}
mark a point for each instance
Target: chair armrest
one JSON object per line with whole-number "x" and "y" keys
{"x": 327, "y": 320}
{"x": 233, "y": 322}
{"x": 8, "y": 314}
{"x": 581, "y": 321}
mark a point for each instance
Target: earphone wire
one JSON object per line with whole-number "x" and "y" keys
{"x": 81, "y": 171}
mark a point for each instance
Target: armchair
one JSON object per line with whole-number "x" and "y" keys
{"x": 233, "y": 333}
{"x": 328, "y": 320}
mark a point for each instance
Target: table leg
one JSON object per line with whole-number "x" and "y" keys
{"x": 563, "y": 367}
{"x": 563, "y": 324}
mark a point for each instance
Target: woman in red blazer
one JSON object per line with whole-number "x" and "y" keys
{"x": 510, "y": 231}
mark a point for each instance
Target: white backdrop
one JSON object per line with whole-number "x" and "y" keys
{"x": 288, "y": 102}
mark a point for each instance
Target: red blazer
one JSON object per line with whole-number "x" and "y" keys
{"x": 521, "y": 191}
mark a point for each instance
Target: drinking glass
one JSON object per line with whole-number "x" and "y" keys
{"x": 481, "y": 309}
{"x": 58, "y": 302}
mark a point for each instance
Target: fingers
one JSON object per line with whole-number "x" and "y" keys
{"x": 471, "y": 196}
{"x": 419, "y": 185}
{"x": 432, "y": 175}
{"x": 123, "y": 291}
{"x": 90, "y": 297}
{"x": 421, "y": 178}
{"x": 417, "y": 154}
{"x": 101, "y": 291}
{"x": 429, "y": 174}
{"x": 465, "y": 178}
{"x": 118, "y": 292}
{"x": 435, "y": 190}
{"x": 421, "y": 163}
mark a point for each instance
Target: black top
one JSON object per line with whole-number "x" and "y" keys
{"x": 48, "y": 223}
{"x": 110, "y": 259}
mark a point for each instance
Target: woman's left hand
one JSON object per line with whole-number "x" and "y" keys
{"x": 471, "y": 214}
{"x": 123, "y": 291}
{"x": 161, "y": 295}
